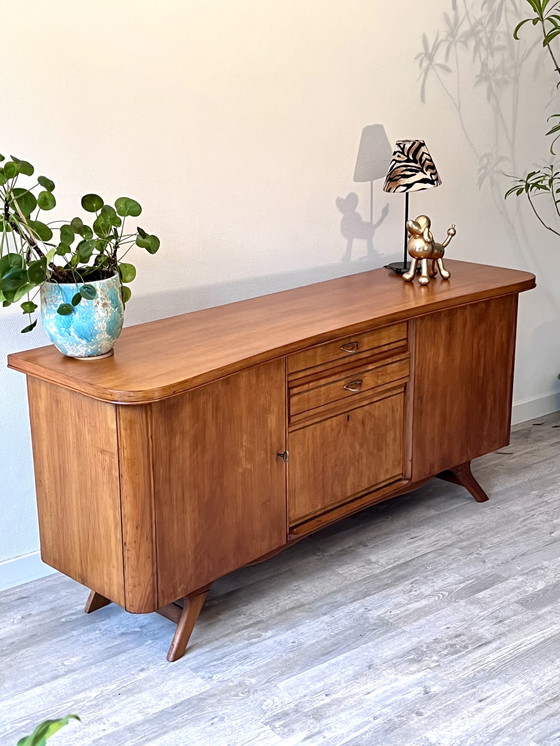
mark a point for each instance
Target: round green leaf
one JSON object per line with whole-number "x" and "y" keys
{"x": 92, "y": 202}
{"x": 10, "y": 170}
{"x": 30, "y": 327}
{"x": 65, "y": 309}
{"x": 2, "y": 158}
{"x": 46, "y": 200}
{"x": 127, "y": 272}
{"x": 28, "y": 306}
{"x": 25, "y": 200}
{"x": 77, "y": 298}
{"x": 62, "y": 249}
{"x": 25, "y": 167}
{"x": 77, "y": 225}
{"x": 87, "y": 232}
{"x": 12, "y": 280}
{"x": 85, "y": 249}
{"x": 37, "y": 271}
{"x": 67, "y": 234}
{"x": 3, "y": 179}
{"x": 46, "y": 183}
{"x": 24, "y": 289}
{"x": 102, "y": 225}
{"x": 126, "y": 292}
{"x": 11, "y": 261}
{"x": 127, "y": 206}
{"x": 88, "y": 292}
{"x": 150, "y": 243}
{"x": 40, "y": 230}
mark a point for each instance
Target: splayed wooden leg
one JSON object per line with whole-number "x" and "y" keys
{"x": 463, "y": 475}
{"x": 185, "y": 619}
{"x": 95, "y": 601}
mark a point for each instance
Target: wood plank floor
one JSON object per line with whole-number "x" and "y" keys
{"x": 429, "y": 619}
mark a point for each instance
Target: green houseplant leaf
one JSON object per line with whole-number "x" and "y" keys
{"x": 45, "y": 730}
{"x": 92, "y": 202}
{"x": 46, "y": 183}
{"x": 126, "y": 206}
{"x": 24, "y": 200}
{"x": 46, "y": 200}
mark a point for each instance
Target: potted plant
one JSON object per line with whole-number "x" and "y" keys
{"x": 543, "y": 181}
{"x": 80, "y": 274}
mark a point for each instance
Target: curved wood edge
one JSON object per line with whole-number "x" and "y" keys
{"x": 49, "y": 365}
{"x": 463, "y": 476}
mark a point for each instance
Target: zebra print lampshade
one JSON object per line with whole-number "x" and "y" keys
{"x": 412, "y": 168}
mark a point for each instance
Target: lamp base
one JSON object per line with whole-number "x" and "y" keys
{"x": 399, "y": 267}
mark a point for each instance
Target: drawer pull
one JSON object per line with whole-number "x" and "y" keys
{"x": 353, "y": 386}
{"x": 350, "y": 347}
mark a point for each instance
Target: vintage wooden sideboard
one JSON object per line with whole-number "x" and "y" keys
{"x": 215, "y": 439}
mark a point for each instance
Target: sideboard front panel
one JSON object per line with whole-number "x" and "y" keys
{"x": 77, "y": 481}
{"x": 463, "y": 376}
{"x": 219, "y": 487}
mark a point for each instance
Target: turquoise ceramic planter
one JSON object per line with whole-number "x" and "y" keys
{"x": 93, "y": 327}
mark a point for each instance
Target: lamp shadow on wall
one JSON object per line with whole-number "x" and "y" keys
{"x": 354, "y": 228}
{"x": 476, "y": 38}
{"x": 372, "y": 163}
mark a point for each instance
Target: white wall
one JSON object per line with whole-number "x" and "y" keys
{"x": 236, "y": 124}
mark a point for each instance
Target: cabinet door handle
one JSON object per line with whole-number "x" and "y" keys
{"x": 283, "y": 456}
{"x": 354, "y": 386}
{"x": 350, "y": 347}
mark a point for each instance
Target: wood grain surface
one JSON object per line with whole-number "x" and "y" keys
{"x": 463, "y": 379}
{"x": 219, "y": 488}
{"x": 332, "y": 460}
{"x": 77, "y": 483}
{"x": 163, "y": 358}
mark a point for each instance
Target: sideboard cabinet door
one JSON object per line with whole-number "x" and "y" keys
{"x": 463, "y": 378}
{"x": 219, "y": 489}
{"x": 341, "y": 457}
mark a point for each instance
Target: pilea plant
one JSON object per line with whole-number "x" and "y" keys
{"x": 33, "y": 251}
{"x": 546, "y": 180}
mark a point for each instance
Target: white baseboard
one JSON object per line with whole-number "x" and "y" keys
{"x": 23, "y": 569}
{"x": 529, "y": 409}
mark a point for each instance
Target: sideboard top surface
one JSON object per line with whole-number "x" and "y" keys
{"x": 163, "y": 358}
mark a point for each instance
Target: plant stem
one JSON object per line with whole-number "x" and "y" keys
{"x": 539, "y": 217}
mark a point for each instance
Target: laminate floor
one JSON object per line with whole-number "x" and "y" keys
{"x": 429, "y": 619}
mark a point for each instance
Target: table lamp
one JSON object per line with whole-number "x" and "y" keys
{"x": 412, "y": 169}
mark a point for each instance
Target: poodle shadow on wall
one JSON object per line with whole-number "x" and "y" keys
{"x": 353, "y": 226}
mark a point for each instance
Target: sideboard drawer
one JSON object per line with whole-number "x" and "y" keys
{"x": 351, "y": 347}
{"x": 336, "y": 460}
{"x": 308, "y": 396}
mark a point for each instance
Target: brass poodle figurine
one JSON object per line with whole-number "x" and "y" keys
{"x": 422, "y": 247}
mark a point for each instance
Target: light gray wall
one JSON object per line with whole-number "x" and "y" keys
{"x": 236, "y": 124}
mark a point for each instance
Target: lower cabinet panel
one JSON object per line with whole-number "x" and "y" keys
{"x": 339, "y": 457}
{"x": 463, "y": 374}
{"x": 219, "y": 489}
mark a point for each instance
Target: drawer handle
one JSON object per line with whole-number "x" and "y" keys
{"x": 354, "y": 386}
{"x": 350, "y": 347}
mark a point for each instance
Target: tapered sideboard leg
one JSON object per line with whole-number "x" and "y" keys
{"x": 463, "y": 475}
{"x": 95, "y": 601}
{"x": 192, "y": 606}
